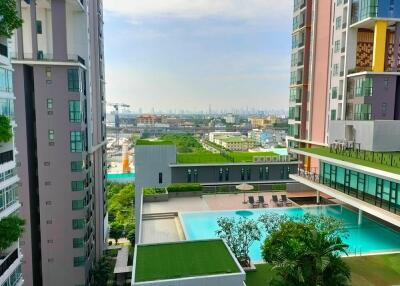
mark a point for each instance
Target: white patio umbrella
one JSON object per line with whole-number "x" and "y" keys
{"x": 244, "y": 188}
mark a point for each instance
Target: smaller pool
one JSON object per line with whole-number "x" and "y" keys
{"x": 121, "y": 176}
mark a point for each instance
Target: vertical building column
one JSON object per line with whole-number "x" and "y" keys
{"x": 33, "y": 30}
{"x": 396, "y": 48}
{"x": 360, "y": 216}
{"x": 378, "y": 61}
{"x": 59, "y": 23}
{"x": 19, "y": 44}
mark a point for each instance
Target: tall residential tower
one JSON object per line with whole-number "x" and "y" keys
{"x": 60, "y": 111}
{"x": 356, "y": 156}
{"x": 10, "y": 258}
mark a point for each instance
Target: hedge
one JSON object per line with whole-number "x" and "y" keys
{"x": 279, "y": 187}
{"x": 184, "y": 187}
{"x": 153, "y": 191}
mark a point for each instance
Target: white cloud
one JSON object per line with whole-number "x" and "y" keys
{"x": 236, "y": 9}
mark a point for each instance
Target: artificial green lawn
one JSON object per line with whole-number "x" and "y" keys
{"x": 153, "y": 142}
{"x": 188, "y": 259}
{"x": 377, "y": 270}
{"x": 201, "y": 157}
{"x": 326, "y": 152}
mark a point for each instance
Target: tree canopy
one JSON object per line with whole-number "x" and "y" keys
{"x": 304, "y": 255}
{"x": 11, "y": 228}
{"x": 9, "y": 20}
{"x": 5, "y": 129}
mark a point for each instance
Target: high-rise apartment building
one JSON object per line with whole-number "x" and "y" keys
{"x": 60, "y": 112}
{"x": 352, "y": 148}
{"x": 10, "y": 258}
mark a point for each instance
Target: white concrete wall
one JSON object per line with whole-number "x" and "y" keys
{"x": 378, "y": 135}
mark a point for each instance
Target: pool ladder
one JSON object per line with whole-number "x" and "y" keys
{"x": 355, "y": 251}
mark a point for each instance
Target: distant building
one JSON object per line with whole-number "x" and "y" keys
{"x": 213, "y": 135}
{"x": 235, "y": 143}
{"x": 231, "y": 118}
{"x": 262, "y": 122}
{"x": 148, "y": 119}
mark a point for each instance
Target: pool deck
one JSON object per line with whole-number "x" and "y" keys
{"x": 167, "y": 229}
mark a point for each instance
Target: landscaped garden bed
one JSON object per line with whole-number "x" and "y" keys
{"x": 155, "y": 195}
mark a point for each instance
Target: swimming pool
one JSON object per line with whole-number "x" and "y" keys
{"x": 121, "y": 176}
{"x": 369, "y": 237}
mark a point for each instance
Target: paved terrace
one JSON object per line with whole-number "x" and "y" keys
{"x": 161, "y": 225}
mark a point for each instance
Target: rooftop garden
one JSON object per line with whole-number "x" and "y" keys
{"x": 385, "y": 161}
{"x": 187, "y": 259}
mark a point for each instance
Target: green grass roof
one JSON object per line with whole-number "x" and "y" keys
{"x": 205, "y": 157}
{"x": 186, "y": 259}
{"x": 153, "y": 142}
{"x": 368, "y": 162}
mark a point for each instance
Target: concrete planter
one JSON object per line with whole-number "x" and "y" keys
{"x": 156, "y": 198}
{"x": 184, "y": 194}
{"x": 252, "y": 268}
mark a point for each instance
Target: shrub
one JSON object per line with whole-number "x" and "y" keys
{"x": 5, "y": 129}
{"x": 184, "y": 187}
{"x": 11, "y": 228}
{"x": 279, "y": 187}
{"x": 153, "y": 191}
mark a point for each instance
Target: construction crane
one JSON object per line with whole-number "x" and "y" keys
{"x": 117, "y": 120}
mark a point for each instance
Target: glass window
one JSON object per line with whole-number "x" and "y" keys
{"x": 50, "y": 104}
{"x": 189, "y": 175}
{"x": 333, "y": 114}
{"x": 73, "y": 80}
{"x": 226, "y": 174}
{"x": 77, "y": 166}
{"x": 75, "y": 114}
{"x": 78, "y": 223}
{"x": 77, "y": 186}
{"x": 79, "y": 261}
{"x": 78, "y": 242}
{"x": 337, "y": 46}
{"x": 6, "y": 80}
{"x": 334, "y": 92}
{"x": 76, "y": 141}
{"x": 160, "y": 178}
{"x": 78, "y": 204}
{"x": 51, "y": 135}
{"x": 338, "y": 23}
{"x": 39, "y": 29}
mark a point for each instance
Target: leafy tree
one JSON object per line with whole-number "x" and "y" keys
{"x": 5, "y": 129}
{"x": 272, "y": 221}
{"x": 9, "y": 20}
{"x": 116, "y": 231}
{"x": 11, "y": 228}
{"x": 239, "y": 235}
{"x": 101, "y": 270}
{"x": 131, "y": 236}
{"x": 303, "y": 255}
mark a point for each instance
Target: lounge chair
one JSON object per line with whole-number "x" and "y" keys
{"x": 285, "y": 201}
{"x": 252, "y": 202}
{"x": 276, "y": 201}
{"x": 262, "y": 202}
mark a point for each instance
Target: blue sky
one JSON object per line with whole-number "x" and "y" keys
{"x": 187, "y": 54}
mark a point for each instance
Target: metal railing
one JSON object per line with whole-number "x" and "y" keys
{"x": 6, "y": 157}
{"x": 8, "y": 261}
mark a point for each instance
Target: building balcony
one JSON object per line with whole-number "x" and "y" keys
{"x": 8, "y": 259}
{"x": 373, "y": 135}
{"x": 373, "y": 202}
{"x": 7, "y": 156}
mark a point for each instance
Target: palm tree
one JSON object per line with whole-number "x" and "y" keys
{"x": 302, "y": 255}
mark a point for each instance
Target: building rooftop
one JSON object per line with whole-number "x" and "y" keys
{"x": 384, "y": 161}
{"x": 183, "y": 259}
{"x": 235, "y": 139}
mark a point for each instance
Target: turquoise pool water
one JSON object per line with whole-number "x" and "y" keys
{"x": 121, "y": 176}
{"x": 369, "y": 237}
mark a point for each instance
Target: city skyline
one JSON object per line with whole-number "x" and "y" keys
{"x": 186, "y": 56}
